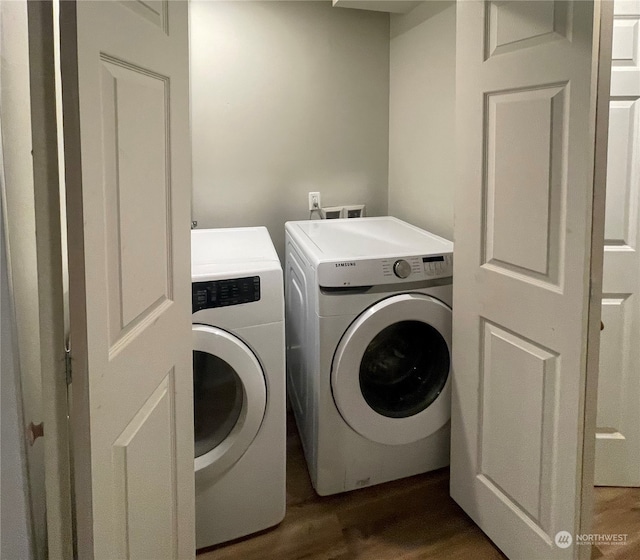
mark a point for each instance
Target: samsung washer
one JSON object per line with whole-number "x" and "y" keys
{"x": 369, "y": 348}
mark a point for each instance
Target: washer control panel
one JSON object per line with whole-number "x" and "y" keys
{"x": 362, "y": 272}
{"x": 438, "y": 266}
{"x": 418, "y": 268}
{"x": 222, "y": 293}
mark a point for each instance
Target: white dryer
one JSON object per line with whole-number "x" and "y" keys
{"x": 239, "y": 383}
{"x": 368, "y": 349}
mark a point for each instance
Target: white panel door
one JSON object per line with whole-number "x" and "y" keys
{"x": 618, "y": 420}
{"x": 127, "y": 155}
{"x": 523, "y": 216}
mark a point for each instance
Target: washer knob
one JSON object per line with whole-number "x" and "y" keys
{"x": 401, "y": 268}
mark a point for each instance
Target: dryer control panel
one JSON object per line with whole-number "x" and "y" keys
{"x": 222, "y": 293}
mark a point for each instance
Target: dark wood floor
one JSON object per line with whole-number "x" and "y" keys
{"x": 408, "y": 519}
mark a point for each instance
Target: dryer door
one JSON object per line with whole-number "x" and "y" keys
{"x": 229, "y": 397}
{"x": 391, "y": 373}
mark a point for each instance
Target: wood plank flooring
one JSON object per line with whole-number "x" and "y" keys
{"x": 617, "y": 510}
{"x": 407, "y": 519}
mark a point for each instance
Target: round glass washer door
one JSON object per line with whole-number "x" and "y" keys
{"x": 391, "y": 372}
{"x": 229, "y": 398}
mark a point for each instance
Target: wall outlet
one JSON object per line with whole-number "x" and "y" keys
{"x": 354, "y": 211}
{"x": 314, "y": 201}
{"x": 332, "y": 212}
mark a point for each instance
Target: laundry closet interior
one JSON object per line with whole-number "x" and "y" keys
{"x": 357, "y": 101}
{"x": 472, "y": 137}
{"x": 292, "y": 98}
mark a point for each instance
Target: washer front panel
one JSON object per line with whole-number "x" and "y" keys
{"x": 230, "y": 353}
{"x": 352, "y": 370}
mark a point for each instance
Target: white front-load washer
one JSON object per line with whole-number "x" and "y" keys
{"x": 368, "y": 319}
{"x": 239, "y": 383}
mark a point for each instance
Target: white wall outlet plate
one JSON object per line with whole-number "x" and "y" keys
{"x": 332, "y": 212}
{"x": 354, "y": 211}
{"x": 314, "y": 201}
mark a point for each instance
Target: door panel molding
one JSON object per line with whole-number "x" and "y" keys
{"x": 523, "y": 233}
{"x": 512, "y": 26}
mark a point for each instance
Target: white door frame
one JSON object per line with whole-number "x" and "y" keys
{"x": 44, "y": 129}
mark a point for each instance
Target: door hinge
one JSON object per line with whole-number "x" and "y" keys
{"x": 67, "y": 364}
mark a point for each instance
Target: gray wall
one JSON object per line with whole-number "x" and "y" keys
{"x": 287, "y": 98}
{"x": 421, "y": 117}
{"x": 15, "y": 541}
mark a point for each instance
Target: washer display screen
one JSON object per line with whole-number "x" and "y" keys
{"x": 217, "y": 400}
{"x": 404, "y": 369}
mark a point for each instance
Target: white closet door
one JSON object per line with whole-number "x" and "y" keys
{"x": 127, "y": 151}
{"x": 618, "y": 421}
{"x": 523, "y": 218}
